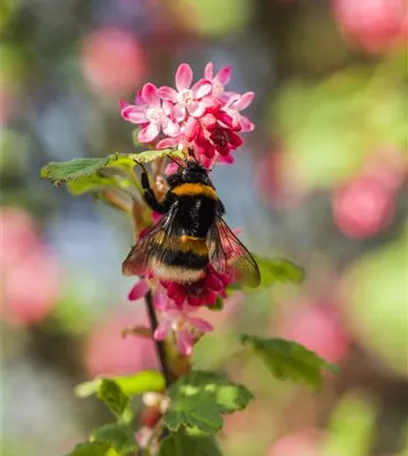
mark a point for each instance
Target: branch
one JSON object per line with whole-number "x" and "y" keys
{"x": 160, "y": 349}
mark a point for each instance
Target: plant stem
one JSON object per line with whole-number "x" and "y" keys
{"x": 161, "y": 352}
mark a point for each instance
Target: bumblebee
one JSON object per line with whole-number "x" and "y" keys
{"x": 191, "y": 233}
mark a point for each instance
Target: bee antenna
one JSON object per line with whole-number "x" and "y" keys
{"x": 174, "y": 161}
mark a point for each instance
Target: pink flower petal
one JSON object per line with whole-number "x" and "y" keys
{"x": 209, "y": 152}
{"x": 201, "y": 88}
{"x": 201, "y": 324}
{"x": 224, "y": 75}
{"x": 196, "y": 109}
{"x": 209, "y": 71}
{"x": 134, "y": 114}
{"x": 234, "y": 139}
{"x": 210, "y": 102}
{"x": 160, "y": 301}
{"x": 149, "y": 133}
{"x": 246, "y": 124}
{"x": 149, "y": 93}
{"x": 225, "y": 118}
{"x": 184, "y": 76}
{"x": 167, "y": 108}
{"x": 228, "y": 159}
{"x": 184, "y": 342}
{"x": 162, "y": 330}
{"x": 167, "y": 93}
{"x": 170, "y": 128}
{"x": 167, "y": 143}
{"x": 138, "y": 98}
{"x": 191, "y": 128}
{"x": 139, "y": 290}
{"x": 171, "y": 168}
{"x": 244, "y": 101}
{"x": 179, "y": 113}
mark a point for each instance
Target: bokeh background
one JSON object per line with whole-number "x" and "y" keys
{"x": 321, "y": 181}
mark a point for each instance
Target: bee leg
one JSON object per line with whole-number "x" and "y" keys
{"x": 149, "y": 196}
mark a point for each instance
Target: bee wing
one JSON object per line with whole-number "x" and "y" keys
{"x": 139, "y": 257}
{"x": 227, "y": 251}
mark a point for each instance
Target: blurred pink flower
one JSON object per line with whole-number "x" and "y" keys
{"x": 30, "y": 289}
{"x": 363, "y": 207}
{"x": 29, "y": 272}
{"x": 151, "y": 114}
{"x": 107, "y": 352}
{"x": 18, "y": 236}
{"x": 112, "y": 60}
{"x": 375, "y": 26}
{"x": 303, "y": 443}
{"x": 317, "y": 327}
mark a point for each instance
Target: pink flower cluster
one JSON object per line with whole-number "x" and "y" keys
{"x": 201, "y": 116}
{"x": 176, "y": 302}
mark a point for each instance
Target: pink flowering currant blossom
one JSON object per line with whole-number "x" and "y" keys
{"x": 186, "y": 100}
{"x": 219, "y": 81}
{"x": 202, "y": 116}
{"x": 151, "y": 114}
{"x": 204, "y": 292}
{"x": 187, "y": 328}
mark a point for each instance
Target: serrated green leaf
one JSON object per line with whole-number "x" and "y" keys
{"x": 112, "y": 395}
{"x": 290, "y": 360}
{"x": 152, "y": 155}
{"x": 132, "y": 385}
{"x": 90, "y": 449}
{"x": 198, "y": 400}
{"x": 280, "y": 270}
{"x": 118, "y": 436}
{"x": 179, "y": 444}
{"x": 81, "y": 168}
{"x": 60, "y": 172}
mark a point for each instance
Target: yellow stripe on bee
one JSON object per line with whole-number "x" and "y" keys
{"x": 182, "y": 243}
{"x": 193, "y": 244}
{"x": 194, "y": 190}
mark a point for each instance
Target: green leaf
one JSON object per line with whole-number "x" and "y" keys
{"x": 118, "y": 436}
{"x": 184, "y": 445}
{"x": 60, "y": 172}
{"x": 90, "y": 449}
{"x": 152, "y": 155}
{"x": 219, "y": 304}
{"x": 351, "y": 427}
{"x": 96, "y": 183}
{"x": 280, "y": 270}
{"x": 290, "y": 360}
{"x": 198, "y": 400}
{"x": 114, "y": 398}
{"x": 80, "y": 168}
{"x": 132, "y": 385}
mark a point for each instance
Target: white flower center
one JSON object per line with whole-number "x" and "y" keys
{"x": 154, "y": 115}
{"x": 185, "y": 97}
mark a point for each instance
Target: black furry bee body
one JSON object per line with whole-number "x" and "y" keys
{"x": 191, "y": 233}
